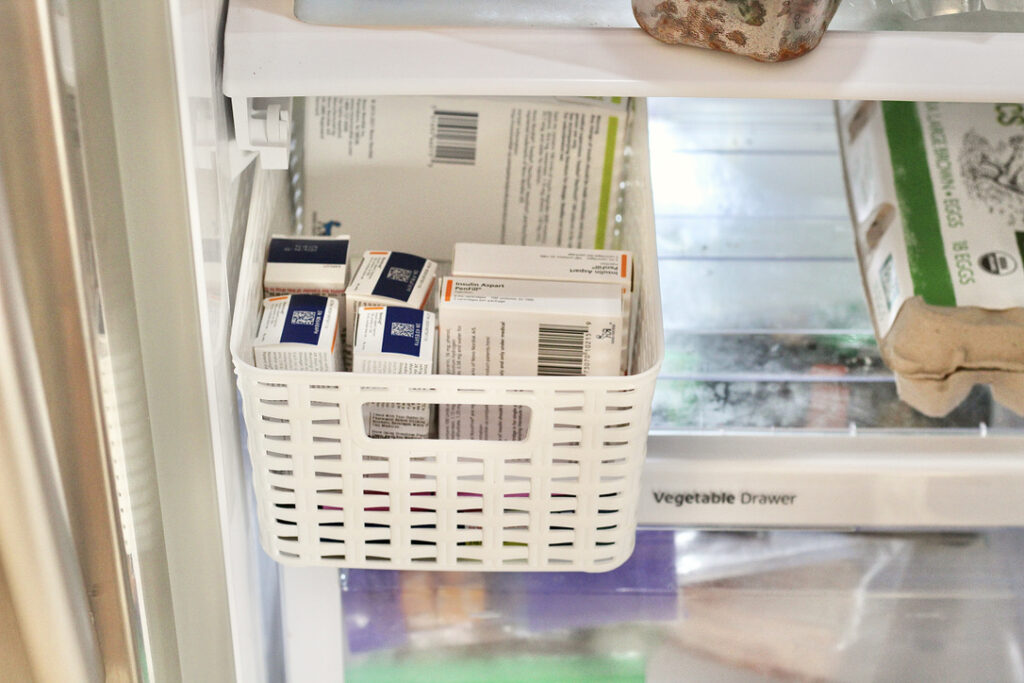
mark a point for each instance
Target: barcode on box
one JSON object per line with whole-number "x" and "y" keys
{"x": 399, "y": 274}
{"x": 455, "y": 135}
{"x": 403, "y": 330}
{"x": 303, "y": 317}
{"x": 560, "y": 349}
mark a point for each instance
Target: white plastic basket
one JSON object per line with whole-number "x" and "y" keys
{"x": 563, "y": 499}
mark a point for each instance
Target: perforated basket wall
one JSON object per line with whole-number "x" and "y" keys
{"x": 563, "y": 499}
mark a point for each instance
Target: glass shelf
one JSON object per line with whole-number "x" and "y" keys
{"x": 996, "y": 16}
{"x": 522, "y": 13}
{"x": 930, "y": 15}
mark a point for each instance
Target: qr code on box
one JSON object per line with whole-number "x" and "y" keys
{"x": 303, "y": 317}
{"x": 399, "y": 274}
{"x": 403, "y": 330}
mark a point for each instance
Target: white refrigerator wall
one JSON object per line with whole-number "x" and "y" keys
{"x": 155, "y": 155}
{"x": 219, "y": 180}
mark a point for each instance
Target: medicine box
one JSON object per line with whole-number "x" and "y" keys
{"x": 396, "y": 341}
{"x": 523, "y": 328}
{"x": 299, "y": 332}
{"x": 551, "y": 263}
{"x": 387, "y": 278}
{"x": 543, "y": 263}
{"x": 516, "y": 170}
{"x": 493, "y": 326}
{"x": 306, "y": 265}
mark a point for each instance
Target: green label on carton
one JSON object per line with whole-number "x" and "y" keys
{"x": 916, "y": 195}
{"x": 958, "y": 171}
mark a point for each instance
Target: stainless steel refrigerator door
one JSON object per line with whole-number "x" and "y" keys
{"x": 59, "y": 537}
{"x": 46, "y": 633}
{"x": 110, "y": 537}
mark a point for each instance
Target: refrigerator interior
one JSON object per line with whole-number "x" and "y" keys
{"x": 766, "y": 324}
{"x": 748, "y": 196}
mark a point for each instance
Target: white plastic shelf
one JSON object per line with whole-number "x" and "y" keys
{"x": 271, "y": 56}
{"x": 837, "y": 481}
{"x": 270, "y": 53}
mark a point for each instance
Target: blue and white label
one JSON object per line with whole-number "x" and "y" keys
{"x": 289, "y": 250}
{"x": 399, "y": 277}
{"x": 304, "y": 320}
{"x": 403, "y": 331}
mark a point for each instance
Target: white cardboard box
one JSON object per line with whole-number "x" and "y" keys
{"x": 514, "y": 170}
{"x": 551, "y": 263}
{"x": 306, "y": 265}
{"x": 387, "y": 278}
{"x": 523, "y": 328}
{"x": 543, "y": 263}
{"x": 299, "y": 332}
{"x": 396, "y": 341}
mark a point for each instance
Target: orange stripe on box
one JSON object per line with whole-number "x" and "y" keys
{"x": 448, "y": 291}
{"x": 378, "y": 253}
{"x": 426, "y": 297}
{"x": 372, "y": 308}
{"x": 278, "y": 298}
{"x": 622, "y": 266}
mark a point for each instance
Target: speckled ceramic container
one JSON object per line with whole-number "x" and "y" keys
{"x": 765, "y": 30}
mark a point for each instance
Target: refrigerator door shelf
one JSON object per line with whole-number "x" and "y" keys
{"x": 308, "y": 444}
